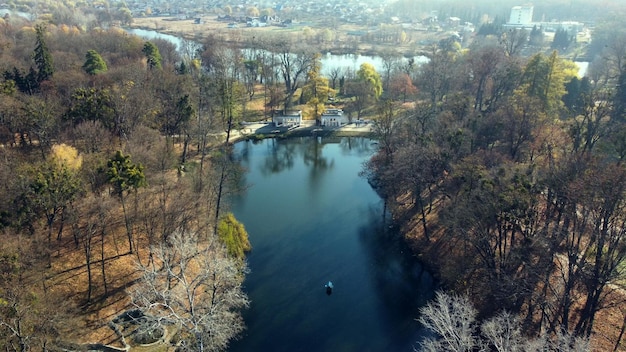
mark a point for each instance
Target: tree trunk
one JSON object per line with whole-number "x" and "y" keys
{"x": 185, "y": 148}
{"x": 129, "y": 233}
{"x": 621, "y": 334}
{"x": 220, "y": 189}
{"x": 103, "y": 266}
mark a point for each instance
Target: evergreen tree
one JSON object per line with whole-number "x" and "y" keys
{"x": 125, "y": 176}
{"x": 576, "y": 91}
{"x": 153, "y": 56}
{"x": 489, "y": 29}
{"x": 561, "y": 40}
{"x": 535, "y": 37}
{"x": 42, "y": 56}
{"x": 94, "y": 64}
{"x": 25, "y": 83}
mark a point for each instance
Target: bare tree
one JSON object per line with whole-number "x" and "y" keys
{"x": 294, "y": 62}
{"x": 513, "y": 41}
{"x": 503, "y": 332}
{"x": 452, "y": 318}
{"x": 196, "y": 288}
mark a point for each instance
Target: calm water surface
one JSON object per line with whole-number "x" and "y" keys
{"x": 312, "y": 219}
{"x": 329, "y": 61}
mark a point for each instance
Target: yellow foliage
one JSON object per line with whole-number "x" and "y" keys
{"x": 196, "y": 63}
{"x": 66, "y": 155}
{"x": 234, "y": 236}
{"x": 569, "y": 69}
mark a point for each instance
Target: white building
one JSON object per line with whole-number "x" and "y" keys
{"x": 333, "y": 117}
{"x": 290, "y": 119}
{"x": 521, "y": 15}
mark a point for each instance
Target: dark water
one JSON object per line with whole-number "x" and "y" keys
{"x": 312, "y": 219}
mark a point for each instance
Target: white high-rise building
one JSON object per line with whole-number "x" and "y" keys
{"x": 521, "y": 15}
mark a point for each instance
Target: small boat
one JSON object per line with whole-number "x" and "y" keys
{"x": 329, "y": 287}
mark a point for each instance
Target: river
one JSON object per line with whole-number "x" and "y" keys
{"x": 329, "y": 61}
{"x": 311, "y": 218}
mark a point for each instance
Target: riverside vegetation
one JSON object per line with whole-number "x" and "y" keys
{"x": 505, "y": 172}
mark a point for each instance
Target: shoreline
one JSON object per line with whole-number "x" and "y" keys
{"x": 241, "y": 37}
{"x": 257, "y": 131}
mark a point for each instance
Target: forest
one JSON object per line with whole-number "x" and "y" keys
{"x": 505, "y": 171}
{"x": 508, "y": 177}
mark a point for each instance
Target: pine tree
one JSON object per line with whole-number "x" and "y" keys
{"x": 153, "y": 56}
{"x": 561, "y": 40}
{"x": 94, "y": 64}
{"x": 42, "y": 56}
{"x": 536, "y": 36}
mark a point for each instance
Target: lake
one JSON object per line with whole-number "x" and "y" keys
{"x": 311, "y": 218}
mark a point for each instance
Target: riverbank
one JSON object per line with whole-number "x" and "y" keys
{"x": 261, "y": 130}
{"x": 344, "y": 40}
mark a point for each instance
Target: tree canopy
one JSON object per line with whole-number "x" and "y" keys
{"x": 153, "y": 56}
{"x": 368, "y": 75}
{"x": 94, "y": 63}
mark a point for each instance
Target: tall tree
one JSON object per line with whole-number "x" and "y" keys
{"x": 42, "y": 56}
{"x": 562, "y": 40}
{"x": 485, "y": 61}
{"x": 125, "y": 176}
{"x": 294, "y": 62}
{"x": 367, "y": 87}
{"x": 545, "y": 78}
{"x": 56, "y": 185}
{"x": 316, "y": 91}
{"x": 535, "y": 37}
{"x": 436, "y": 75}
{"x": 513, "y": 41}
{"x": 603, "y": 208}
{"x": 401, "y": 85}
{"x": 367, "y": 74}
{"x": 577, "y": 92}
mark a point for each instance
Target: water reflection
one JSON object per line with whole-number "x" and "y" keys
{"x": 331, "y": 229}
{"x": 314, "y": 158}
{"x": 359, "y": 146}
{"x": 280, "y": 156}
{"x": 404, "y": 282}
